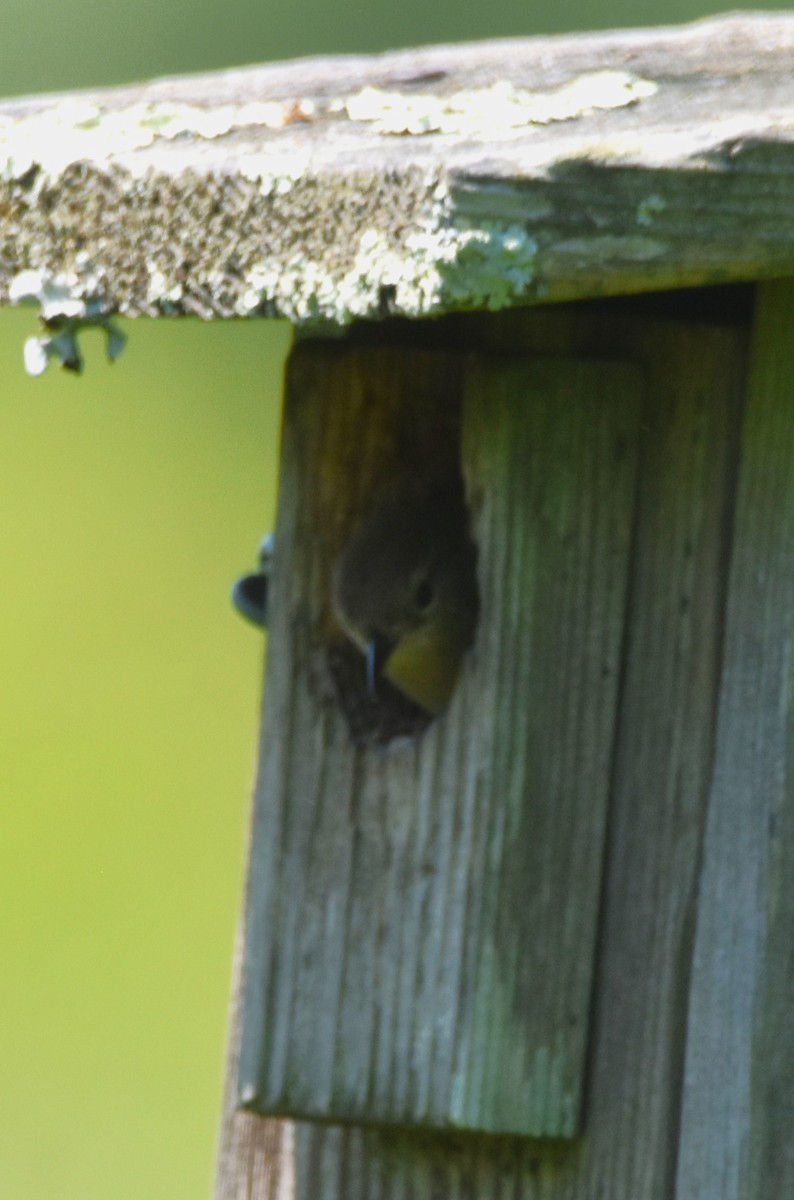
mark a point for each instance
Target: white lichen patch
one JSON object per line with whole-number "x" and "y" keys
{"x": 433, "y": 271}
{"x": 68, "y": 303}
{"x": 161, "y": 291}
{"x": 54, "y": 296}
{"x": 65, "y": 295}
{"x": 78, "y": 130}
{"x": 484, "y": 112}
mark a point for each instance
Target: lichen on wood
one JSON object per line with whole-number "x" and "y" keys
{"x": 414, "y": 183}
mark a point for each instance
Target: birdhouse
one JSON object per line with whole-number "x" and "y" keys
{"x": 534, "y": 939}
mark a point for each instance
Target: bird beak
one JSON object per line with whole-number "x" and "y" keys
{"x": 377, "y": 652}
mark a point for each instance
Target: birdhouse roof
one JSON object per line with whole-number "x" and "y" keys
{"x": 411, "y": 183}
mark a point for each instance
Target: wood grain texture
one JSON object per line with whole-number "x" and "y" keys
{"x": 422, "y": 919}
{"x": 550, "y": 456}
{"x": 660, "y": 784}
{"x": 481, "y": 176}
{"x": 739, "y": 1081}
{"x": 665, "y": 741}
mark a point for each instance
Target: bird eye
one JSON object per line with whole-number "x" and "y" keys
{"x": 423, "y": 596}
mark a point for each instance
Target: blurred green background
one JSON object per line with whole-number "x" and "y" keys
{"x": 129, "y": 500}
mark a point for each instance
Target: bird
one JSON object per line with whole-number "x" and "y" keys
{"x": 405, "y": 592}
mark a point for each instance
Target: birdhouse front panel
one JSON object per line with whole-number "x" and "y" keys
{"x": 426, "y": 880}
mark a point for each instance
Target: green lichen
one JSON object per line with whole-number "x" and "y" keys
{"x": 433, "y": 270}
{"x": 649, "y": 209}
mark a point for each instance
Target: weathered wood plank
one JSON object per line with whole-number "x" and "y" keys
{"x": 660, "y": 788}
{"x": 489, "y": 175}
{"x": 739, "y": 1081}
{"x": 422, "y": 918}
{"x": 550, "y": 455}
{"x": 665, "y": 743}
